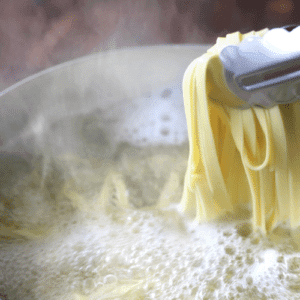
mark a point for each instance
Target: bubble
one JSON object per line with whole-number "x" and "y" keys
{"x": 230, "y": 250}
{"x": 165, "y": 131}
{"x": 280, "y": 259}
{"x": 88, "y": 285}
{"x": 165, "y": 118}
{"x": 244, "y": 229}
{"x": 294, "y": 265}
{"x": 110, "y": 279}
{"x": 166, "y": 93}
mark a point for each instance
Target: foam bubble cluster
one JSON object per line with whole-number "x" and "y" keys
{"x": 151, "y": 256}
{"x": 146, "y": 253}
{"x": 157, "y": 118}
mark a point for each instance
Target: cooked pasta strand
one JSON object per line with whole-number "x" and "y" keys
{"x": 238, "y": 156}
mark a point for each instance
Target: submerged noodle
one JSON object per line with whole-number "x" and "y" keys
{"x": 238, "y": 156}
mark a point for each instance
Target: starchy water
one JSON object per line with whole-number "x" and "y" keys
{"x": 113, "y": 231}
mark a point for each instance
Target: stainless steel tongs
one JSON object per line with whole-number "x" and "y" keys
{"x": 260, "y": 77}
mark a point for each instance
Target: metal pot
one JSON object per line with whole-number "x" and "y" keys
{"x": 86, "y": 108}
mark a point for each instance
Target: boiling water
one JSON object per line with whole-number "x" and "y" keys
{"x": 97, "y": 247}
{"x": 92, "y": 218}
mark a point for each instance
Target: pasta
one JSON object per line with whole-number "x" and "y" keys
{"x": 238, "y": 156}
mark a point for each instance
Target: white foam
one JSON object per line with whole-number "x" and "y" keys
{"x": 169, "y": 263}
{"x": 156, "y": 119}
{"x": 262, "y": 266}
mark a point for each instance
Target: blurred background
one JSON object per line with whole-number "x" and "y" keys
{"x": 37, "y": 34}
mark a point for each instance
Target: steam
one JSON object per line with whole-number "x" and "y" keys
{"x": 39, "y": 34}
{"x": 88, "y": 107}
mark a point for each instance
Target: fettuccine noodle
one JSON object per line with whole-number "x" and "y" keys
{"x": 237, "y": 156}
